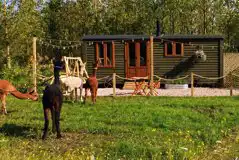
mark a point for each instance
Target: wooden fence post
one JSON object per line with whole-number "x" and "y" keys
{"x": 151, "y": 64}
{"x": 192, "y": 84}
{"x": 231, "y": 87}
{"x": 34, "y": 63}
{"x": 114, "y": 84}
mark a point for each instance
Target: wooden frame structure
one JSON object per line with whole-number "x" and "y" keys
{"x": 77, "y": 63}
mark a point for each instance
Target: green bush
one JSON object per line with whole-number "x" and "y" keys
{"x": 20, "y": 77}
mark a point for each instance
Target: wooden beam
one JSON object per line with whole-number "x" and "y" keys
{"x": 231, "y": 85}
{"x": 34, "y": 63}
{"x": 137, "y": 58}
{"x": 126, "y": 56}
{"x": 165, "y": 49}
{"x": 114, "y": 84}
{"x": 148, "y": 59}
{"x": 96, "y": 51}
{"x": 6, "y": 36}
{"x": 151, "y": 64}
{"x": 192, "y": 84}
{"x": 113, "y": 55}
{"x": 221, "y": 56}
{"x": 77, "y": 69}
{"x": 174, "y": 49}
{"x": 182, "y": 49}
{"x": 105, "y": 54}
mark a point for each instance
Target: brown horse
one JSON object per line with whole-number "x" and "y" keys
{"x": 6, "y": 87}
{"x": 92, "y": 83}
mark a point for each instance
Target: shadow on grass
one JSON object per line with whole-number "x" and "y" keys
{"x": 72, "y": 102}
{"x": 12, "y": 111}
{"x": 13, "y": 130}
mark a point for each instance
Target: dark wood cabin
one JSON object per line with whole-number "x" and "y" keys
{"x": 174, "y": 56}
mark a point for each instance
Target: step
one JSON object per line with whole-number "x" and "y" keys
{"x": 129, "y": 86}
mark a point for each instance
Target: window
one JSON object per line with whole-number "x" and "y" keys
{"x": 105, "y": 53}
{"x": 143, "y": 53}
{"x": 173, "y": 49}
{"x": 132, "y": 54}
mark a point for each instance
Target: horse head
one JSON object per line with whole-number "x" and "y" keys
{"x": 32, "y": 94}
{"x": 96, "y": 64}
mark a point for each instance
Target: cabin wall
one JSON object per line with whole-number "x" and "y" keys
{"x": 167, "y": 67}
{"x": 173, "y": 67}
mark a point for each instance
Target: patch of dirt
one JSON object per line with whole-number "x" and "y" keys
{"x": 72, "y": 141}
{"x": 227, "y": 149}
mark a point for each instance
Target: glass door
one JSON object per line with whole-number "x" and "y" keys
{"x": 136, "y": 59}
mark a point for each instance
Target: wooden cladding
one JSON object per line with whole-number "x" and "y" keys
{"x": 105, "y": 53}
{"x": 173, "y": 49}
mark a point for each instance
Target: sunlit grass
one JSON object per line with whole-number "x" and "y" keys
{"x": 125, "y": 127}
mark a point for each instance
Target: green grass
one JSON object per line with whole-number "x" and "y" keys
{"x": 125, "y": 127}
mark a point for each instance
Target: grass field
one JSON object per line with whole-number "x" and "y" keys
{"x": 121, "y": 128}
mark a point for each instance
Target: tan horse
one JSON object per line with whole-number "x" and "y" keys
{"x": 6, "y": 87}
{"x": 72, "y": 82}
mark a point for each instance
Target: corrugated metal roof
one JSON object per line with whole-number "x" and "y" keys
{"x": 145, "y": 37}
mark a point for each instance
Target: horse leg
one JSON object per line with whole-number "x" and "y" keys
{"x": 46, "y": 118}
{"x": 96, "y": 94}
{"x": 57, "y": 121}
{"x": 81, "y": 88}
{"x": 53, "y": 117}
{"x": 1, "y": 98}
{"x": 57, "y": 117}
{"x": 86, "y": 90}
{"x": 92, "y": 91}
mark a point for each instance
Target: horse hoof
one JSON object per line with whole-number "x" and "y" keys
{"x": 4, "y": 113}
{"x": 43, "y": 137}
{"x": 59, "y": 136}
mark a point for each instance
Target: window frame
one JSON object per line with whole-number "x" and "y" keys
{"x": 174, "y": 49}
{"x": 105, "y": 65}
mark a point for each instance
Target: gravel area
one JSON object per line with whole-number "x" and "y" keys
{"x": 200, "y": 92}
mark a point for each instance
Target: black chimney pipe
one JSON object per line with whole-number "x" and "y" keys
{"x": 158, "y": 29}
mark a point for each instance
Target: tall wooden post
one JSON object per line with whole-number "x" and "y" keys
{"x": 151, "y": 64}
{"x": 77, "y": 68}
{"x": 231, "y": 85}
{"x": 114, "y": 84}
{"x": 192, "y": 84}
{"x": 34, "y": 63}
{"x": 6, "y": 36}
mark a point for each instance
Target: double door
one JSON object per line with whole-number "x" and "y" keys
{"x": 137, "y": 59}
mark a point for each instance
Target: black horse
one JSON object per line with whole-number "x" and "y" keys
{"x": 52, "y": 100}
